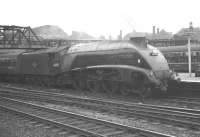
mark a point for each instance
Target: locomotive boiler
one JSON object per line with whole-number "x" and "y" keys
{"x": 107, "y": 66}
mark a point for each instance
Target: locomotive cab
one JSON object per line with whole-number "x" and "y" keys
{"x": 9, "y": 61}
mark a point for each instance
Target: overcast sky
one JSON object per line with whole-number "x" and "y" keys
{"x": 102, "y": 17}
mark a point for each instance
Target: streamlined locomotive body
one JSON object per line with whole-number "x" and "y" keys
{"x": 119, "y": 66}
{"x": 108, "y": 66}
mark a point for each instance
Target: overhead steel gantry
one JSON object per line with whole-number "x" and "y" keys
{"x": 17, "y": 36}
{"x": 24, "y": 37}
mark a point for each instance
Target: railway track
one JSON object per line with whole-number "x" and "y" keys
{"x": 188, "y": 101}
{"x": 196, "y": 99}
{"x": 188, "y": 118}
{"x": 184, "y": 102}
{"x": 73, "y": 123}
{"x": 178, "y": 100}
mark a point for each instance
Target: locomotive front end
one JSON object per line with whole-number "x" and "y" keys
{"x": 159, "y": 74}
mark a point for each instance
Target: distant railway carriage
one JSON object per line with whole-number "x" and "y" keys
{"x": 177, "y": 57}
{"x": 120, "y": 66}
{"x": 9, "y": 63}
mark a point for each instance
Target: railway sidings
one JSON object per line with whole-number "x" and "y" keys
{"x": 73, "y": 123}
{"x": 176, "y": 117}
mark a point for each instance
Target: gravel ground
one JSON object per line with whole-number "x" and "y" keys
{"x": 134, "y": 122}
{"x": 172, "y": 104}
{"x": 12, "y": 126}
{"x": 150, "y": 125}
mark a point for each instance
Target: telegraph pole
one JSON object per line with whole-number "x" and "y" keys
{"x": 189, "y": 57}
{"x": 189, "y": 49}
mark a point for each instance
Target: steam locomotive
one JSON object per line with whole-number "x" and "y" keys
{"x": 108, "y": 66}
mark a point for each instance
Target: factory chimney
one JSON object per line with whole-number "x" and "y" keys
{"x": 110, "y": 37}
{"x": 158, "y": 31}
{"x": 154, "y": 30}
{"x": 120, "y": 35}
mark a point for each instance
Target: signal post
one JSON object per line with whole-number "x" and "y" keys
{"x": 189, "y": 34}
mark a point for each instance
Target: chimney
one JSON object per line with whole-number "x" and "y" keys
{"x": 110, "y": 37}
{"x": 154, "y": 30}
{"x": 120, "y": 35}
{"x": 158, "y": 31}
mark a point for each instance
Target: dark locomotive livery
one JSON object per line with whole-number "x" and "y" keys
{"x": 107, "y": 66}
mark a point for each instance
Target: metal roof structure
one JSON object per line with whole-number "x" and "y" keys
{"x": 15, "y": 36}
